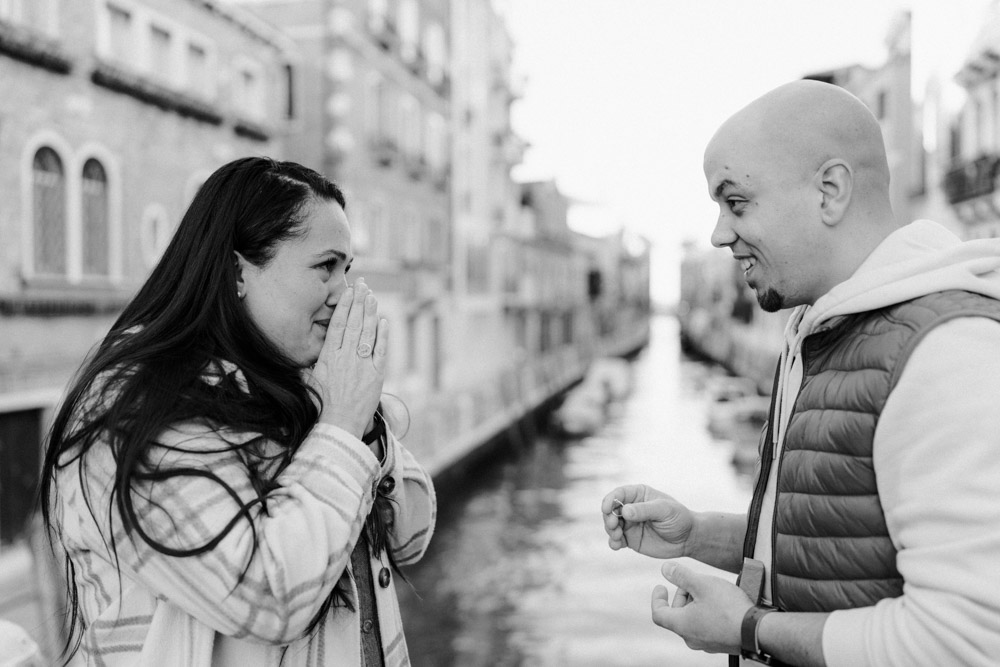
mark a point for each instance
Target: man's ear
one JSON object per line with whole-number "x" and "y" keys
{"x": 835, "y": 180}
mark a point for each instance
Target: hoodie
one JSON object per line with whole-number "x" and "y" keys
{"x": 936, "y": 454}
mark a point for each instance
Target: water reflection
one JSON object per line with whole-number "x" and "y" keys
{"x": 519, "y": 572}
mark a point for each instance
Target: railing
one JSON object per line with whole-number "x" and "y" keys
{"x": 448, "y": 426}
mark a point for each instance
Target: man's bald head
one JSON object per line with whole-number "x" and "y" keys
{"x": 803, "y": 124}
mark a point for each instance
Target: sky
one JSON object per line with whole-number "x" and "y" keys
{"x": 620, "y": 97}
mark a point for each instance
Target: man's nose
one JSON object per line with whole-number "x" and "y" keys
{"x": 723, "y": 234}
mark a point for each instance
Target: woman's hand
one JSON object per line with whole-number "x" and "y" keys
{"x": 351, "y": 365}
{"x": 647, "y": 521}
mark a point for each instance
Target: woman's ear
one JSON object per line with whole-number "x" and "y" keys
{"x": 240, "y": 262}
{"x": 835, "y": 180}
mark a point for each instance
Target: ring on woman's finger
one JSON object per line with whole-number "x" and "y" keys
{"x": 364, "y": 350}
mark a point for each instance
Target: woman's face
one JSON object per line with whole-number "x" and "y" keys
{"x": 292, "y": 298}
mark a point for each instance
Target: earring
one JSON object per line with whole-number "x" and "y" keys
{"x": 239, "y": 294}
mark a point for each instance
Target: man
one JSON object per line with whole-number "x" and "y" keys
{"x": 876, "y": 510}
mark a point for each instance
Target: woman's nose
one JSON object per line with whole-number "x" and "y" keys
{"x": 336, "y": 287}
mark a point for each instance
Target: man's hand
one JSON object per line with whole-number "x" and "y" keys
{"x": 706, "y": 612}
{"x": 647, "y": 521}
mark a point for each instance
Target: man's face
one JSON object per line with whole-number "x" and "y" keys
{"x": 766, "y": 211}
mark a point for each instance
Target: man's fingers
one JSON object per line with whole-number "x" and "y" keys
{"x": 338, "y": 321}
{"x": 608, "y": 503}
{"x": 659, "y": 599}
{"x": 381, "y": 344}
{"x": 681, "y": 598}
{"x": 652, "y": 510}
{"x": 680, "y": 576}
{"x": 624, "y": 494}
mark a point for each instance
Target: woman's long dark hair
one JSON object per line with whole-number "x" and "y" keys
{"x": 146, "y": 373}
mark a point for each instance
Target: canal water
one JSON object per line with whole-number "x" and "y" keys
{"x": 519, "y": 572}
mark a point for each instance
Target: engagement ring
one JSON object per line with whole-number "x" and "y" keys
{"x": 364, "y": 350}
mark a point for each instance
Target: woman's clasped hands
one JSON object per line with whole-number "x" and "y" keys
{"x": 351, "y": 366}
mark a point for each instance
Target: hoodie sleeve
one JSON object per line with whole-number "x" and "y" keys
{"x": 937, "y": 462}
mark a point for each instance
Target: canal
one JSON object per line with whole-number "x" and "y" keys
{"x": 519, "y": 572}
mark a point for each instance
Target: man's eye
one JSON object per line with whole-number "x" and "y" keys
{"x": 736, "y": 205}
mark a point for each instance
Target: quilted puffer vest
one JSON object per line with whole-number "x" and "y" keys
{"x": 830, "y": 544}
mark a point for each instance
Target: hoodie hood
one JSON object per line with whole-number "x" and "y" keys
{"x": 915, "y": 260}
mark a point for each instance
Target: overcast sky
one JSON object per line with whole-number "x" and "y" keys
{"x": 621, "y": 96}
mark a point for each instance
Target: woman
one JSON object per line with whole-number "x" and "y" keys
{"x": 219, "y": 474}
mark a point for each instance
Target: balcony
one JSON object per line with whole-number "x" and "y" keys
{"x": 248, "y": 129}
{"x": 971, "y": 179}
{"x": 144, "y": 89}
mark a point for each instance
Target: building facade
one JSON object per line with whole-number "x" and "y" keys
{"x": 376, "y": 116}
{"x": 971, "y": 146}
{"x": 112, "y": 113}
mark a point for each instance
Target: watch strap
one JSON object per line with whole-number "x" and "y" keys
{"x": 749, "y": 644}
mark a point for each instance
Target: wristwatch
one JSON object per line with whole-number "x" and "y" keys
{"x": 749, "y": 644}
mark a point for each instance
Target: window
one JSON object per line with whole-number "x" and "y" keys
{"x": 248, "y": 91}
{"x": 159, "y": 51}
{"x": 38, "y": 15}
{"x": 372, "y": 99}
{"x": 411, "y": 343}
{"x": 49, "y": 213}
{"x": 478, "y": 267}
{"x": 134, "y": 37}
{"x": 289, "y": 92}
{"x": 377, "y": 232}
{"x": 409, "y": 30}
{"x": 410, "y": 117}
{"x": 412, "y": 236}
{"x": 436, "y": 249}
{"x": 881, "y": 105}
{"x": 94, "y": 191}
{"x": 434, "y": 45}
{"x": 435, "y": 142}
{"x": 20, "y": 452}
{"x": 121, "y": 44}
{"x": 386, "y": 117}
{"x": 155, "y": 232}
{"x": 198, "y": 76}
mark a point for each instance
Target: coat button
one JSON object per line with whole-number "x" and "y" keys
{"x": 367, "y": 626}
{"x": 384, "y": 577}
{"x": 387, "y": 485}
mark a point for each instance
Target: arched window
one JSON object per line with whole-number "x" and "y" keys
{"x": 94, "y": 209}
{"x": 49, "y": 219}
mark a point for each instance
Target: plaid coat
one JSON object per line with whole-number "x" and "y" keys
{"x": 225, "y": 607}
